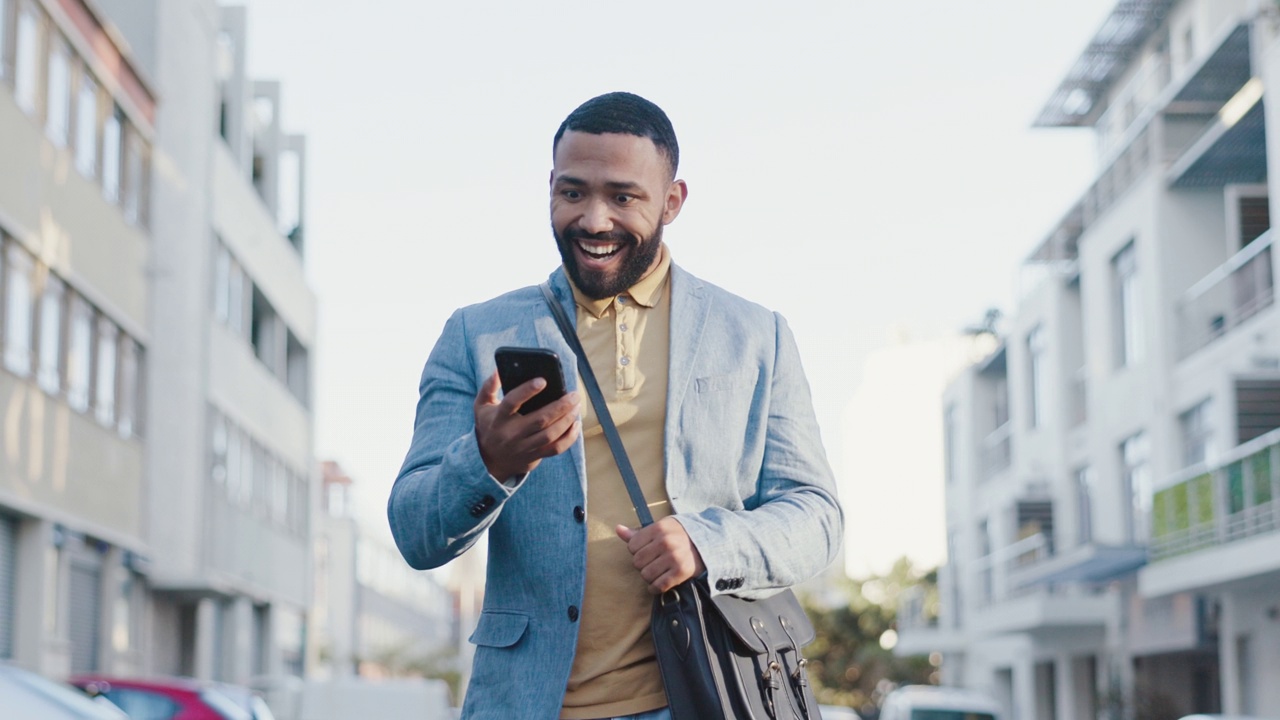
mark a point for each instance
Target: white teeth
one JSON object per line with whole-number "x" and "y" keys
{"x": 599, "y": 250}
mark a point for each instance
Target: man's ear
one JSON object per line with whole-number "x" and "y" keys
{"x": 677, "y": 193}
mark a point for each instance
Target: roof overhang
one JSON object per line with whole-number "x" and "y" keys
{"x": 1232, "y": 150}
{"x": 1086, "y": 564}
{"x": 1076, "y": 101}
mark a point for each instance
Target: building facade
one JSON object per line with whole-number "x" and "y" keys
{"x": 1113, "y": 468}
{"x": 229, "y": 461}
{"x": 374, "y": 616}
{"x": 77, "y": 128}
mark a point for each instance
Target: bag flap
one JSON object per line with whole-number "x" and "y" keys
{"x": 738, "y": 614}
{"x": 498, "y": 628}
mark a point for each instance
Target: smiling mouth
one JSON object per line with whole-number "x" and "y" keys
{"x": 600, "y": 252}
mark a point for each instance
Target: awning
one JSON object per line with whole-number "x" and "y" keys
{"x": 1085, "y": 564}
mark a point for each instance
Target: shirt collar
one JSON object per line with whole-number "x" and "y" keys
{"x": 646, "y": 292}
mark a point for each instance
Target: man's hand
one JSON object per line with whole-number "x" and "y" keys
{"x": 512, "y": 444}
{"x": 663, "y": 553}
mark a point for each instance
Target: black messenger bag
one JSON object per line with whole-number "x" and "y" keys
{"x": 722, "y": 657}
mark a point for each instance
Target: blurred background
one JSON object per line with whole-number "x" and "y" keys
{"x": 1025, "y": 249}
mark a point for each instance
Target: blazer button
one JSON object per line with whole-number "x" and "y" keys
{"x": 579, "y": 514}
{"x": 573, "y": 613}
{"x": 722, "y": 585}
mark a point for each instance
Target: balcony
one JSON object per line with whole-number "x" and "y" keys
{"x": 1009, "y": 602}
{"x": 1224, "y": 504}
{"x": 997, "y": 451}
{"x": 919, "y": 629}
{"x": 1227, "y": 297}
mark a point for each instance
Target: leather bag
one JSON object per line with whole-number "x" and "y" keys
{"x": 721, "y": 657}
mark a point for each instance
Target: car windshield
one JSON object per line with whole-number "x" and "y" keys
{"x": 921, "y": 714}
{"x": 224, "y": 706}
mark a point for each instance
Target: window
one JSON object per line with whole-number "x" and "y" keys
{"x": 130, "y": 401}
{"x": 1129, "y": 341}
{"x": 111, "y": 138}
{"x": 217, "y": 448}
{"x": 279, "y": 492}
{"x": 1086, "y": 484}
{"x": 104, "y": 400}
{"x": 87, "y": 126}
{"x": 19, "y": 309}
{"x": 235, "y": 299}
{"x": 79, "y": 353}
{"x": 247, "y": 479}
{"x": 1039, "y": 381}
{"x": 1197, "y": 433}
{"x": 264, "y": 335}
{"x": 233, "y": 462}
{"x": 26, "y": 78}
{"x": 52, "y": 302}
{"x": 1135, "y": 454}
{"x": 297, "y": 369}
{"x": 5, "y": 7}
{"x": 135, "y": 179}
{"x": 57, "y": 122}
{"x": 143, "y": 704}
{"x": 221, "y": 283}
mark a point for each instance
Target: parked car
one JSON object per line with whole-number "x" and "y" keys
{"x": 175, "y": 698}
{"x": 837, "y": 712}
{"x": 930, "y": 702}
{"x": 24, "y": 695}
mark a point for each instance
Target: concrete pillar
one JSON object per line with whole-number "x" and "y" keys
{"x": 1229, "y": 668}
{"x": 237, "y": 659}
{"x": 1064, "y": 683}
{"x": 1024, "y": 688}
{"x": 36, "y": 608}
{"x": 207, "y": 631}
{"x": 273, "y": 657}
{"x": 112, "y": 646}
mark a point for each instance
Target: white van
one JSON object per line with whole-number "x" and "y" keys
{"x": 929, "y": 702}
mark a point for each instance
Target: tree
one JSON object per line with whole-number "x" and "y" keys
{"x": 851, "y": 661}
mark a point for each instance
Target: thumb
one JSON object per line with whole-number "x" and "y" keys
{"x": 624, "y": 532}
{"x": 488, "y": 394}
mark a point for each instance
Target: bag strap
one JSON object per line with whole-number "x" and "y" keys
{"x": 602, "y": 409}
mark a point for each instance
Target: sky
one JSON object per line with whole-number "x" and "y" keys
{"x": 868, "y": 169}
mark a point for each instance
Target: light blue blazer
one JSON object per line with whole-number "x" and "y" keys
{"x": 745, "y": 471}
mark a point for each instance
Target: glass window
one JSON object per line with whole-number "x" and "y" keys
{"x": 26, "y": 78}
{"x": 143, "y": 705}
{"x": 1197, "y": 434}
{"x": 133, "y": 183}
{"x": 5, "y": 7}
{"x": 247, "y": 479}
{"x": 1129, "y": 340}
{"x": 235, "y": 297}
{"x": 79, "y": 353}
{"x": 1085, "y": 484}
{"x": 1039, "y": 381}
{"x": 218, "y": 441}
{"x": 87, "y": 126}
{"x": 57, "y": 121}
{"x": 111, "y": 138}
{"x": 222, "y": 283}
{"x": 52, "y": 302}
{"x": 19, "y": 309}
{"x": 279, "y": 493}
{"x": 233, "y": 462}
{"x": 1135, "y": 454}
{"x": 104, "y": 400}
{"x": 128, "y": 403}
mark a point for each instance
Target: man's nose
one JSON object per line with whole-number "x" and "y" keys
{"x": 595, "y": 218}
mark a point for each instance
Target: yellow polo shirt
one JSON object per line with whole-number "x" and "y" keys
{"x": 626, "y": 339}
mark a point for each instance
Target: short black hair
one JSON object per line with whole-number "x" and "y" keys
{"x": 628, "y": 114}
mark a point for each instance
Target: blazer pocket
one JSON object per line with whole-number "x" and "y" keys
{"x": 499, "y": 629}
{"x": 716, "y": 383}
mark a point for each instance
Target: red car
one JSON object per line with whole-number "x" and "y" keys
{"x": 175, "y": 698}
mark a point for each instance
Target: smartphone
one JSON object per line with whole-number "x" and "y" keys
{"x": 517, "y": 365}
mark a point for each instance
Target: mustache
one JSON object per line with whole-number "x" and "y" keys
{"x": 616, "y": 236}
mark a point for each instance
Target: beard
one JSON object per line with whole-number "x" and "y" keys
{"x": 637, "y": 259}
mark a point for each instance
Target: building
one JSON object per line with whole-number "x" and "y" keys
{"x": 374, "y": 616}
{"x": 229, "y": 461}
{"x": 77, "y": 126}
{"x": 1113, "y": 468}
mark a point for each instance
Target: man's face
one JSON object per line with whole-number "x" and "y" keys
{"x": 611, "y": 194}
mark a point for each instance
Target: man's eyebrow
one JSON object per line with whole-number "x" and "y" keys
{"x": 611, "y": 184}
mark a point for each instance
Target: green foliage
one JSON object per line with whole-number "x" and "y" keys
{"x": 848, "y": 665}
{"x": 1261, "y": 465}
{"x": 1204, "y": 498}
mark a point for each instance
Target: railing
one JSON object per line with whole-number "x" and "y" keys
{"x": 1229, "y": 295}
{"x": 994, "y": 569}
{"x": 1206, "y": 506}
{"x": 997, "y": 450}
{"x": 1135, "y": 101}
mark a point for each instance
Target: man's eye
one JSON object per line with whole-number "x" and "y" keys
{"x": 624, "y": 199}
{"x": 571, "y": 194}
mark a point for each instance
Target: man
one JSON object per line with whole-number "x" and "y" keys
{"x": 708, "y": 394}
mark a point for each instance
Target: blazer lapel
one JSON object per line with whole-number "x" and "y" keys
{"x": 550, "y": 337}
{"x": 689, "y": 310}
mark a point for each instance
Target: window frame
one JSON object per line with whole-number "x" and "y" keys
{"x": 1127, "y": 293}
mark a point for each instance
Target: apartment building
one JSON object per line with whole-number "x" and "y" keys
{"x": 374, "y": 616}
{"x": 77, "y": 127}
{"x": 1113, "y": 468}
{"x": 229, "y": 458}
